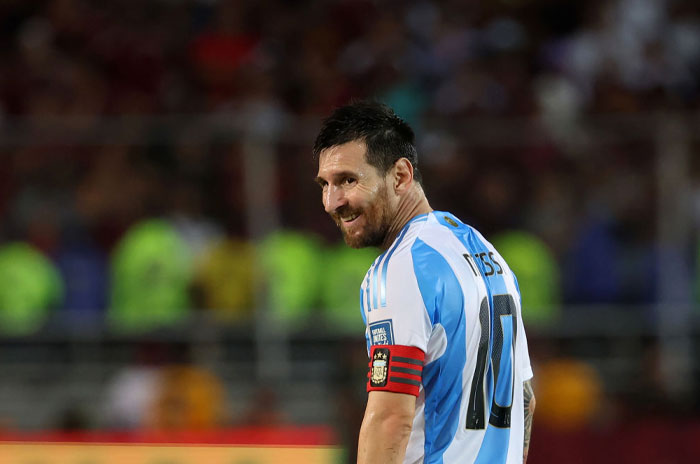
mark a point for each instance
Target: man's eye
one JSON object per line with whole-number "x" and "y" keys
{"x": 350, "y": 181}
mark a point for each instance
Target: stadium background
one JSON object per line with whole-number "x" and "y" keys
{"x": 166, "y": 267}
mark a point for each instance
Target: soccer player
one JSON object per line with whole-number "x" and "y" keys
{"x": 449, "y": 371}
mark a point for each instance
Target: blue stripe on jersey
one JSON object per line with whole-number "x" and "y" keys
{"x": 375, "y": 279}
{"x": 367, "y": 292}
{"x": 364, "y": 296}
{"x": 440, "y": 288}
{"x": 504, "y": 389}
{"x": 369, "y": 277}
{"x": 362, "y": 305}
{"x": 494, "y": 448}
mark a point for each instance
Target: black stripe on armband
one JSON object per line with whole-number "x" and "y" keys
{"x": 405, "y": 380}
{"x": 407, "y": 360}
{"x": 405, "y": 370}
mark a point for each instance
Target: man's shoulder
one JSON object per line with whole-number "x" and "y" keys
{"x": 434, "y": 233}
{"x": 440, "y": 229}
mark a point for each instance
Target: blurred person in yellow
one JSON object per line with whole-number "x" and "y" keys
{"x": 187, "y": 398}
{"x": 449, "y": 371}
{"x": 572, "y": 390}
{"x": 225, "y": 280}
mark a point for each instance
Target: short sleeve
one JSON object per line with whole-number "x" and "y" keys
{"x": 523, "y": 355}
{"x": 392, "y": 303}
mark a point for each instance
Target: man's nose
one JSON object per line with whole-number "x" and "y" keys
{"x": 333, "y": 199}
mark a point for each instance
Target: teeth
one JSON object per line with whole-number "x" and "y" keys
{"x": 349, "y": 218}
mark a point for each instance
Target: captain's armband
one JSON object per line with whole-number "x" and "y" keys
{"x": 395, "y": 368}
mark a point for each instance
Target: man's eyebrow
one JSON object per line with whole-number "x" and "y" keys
{"x": 337, "y": 175}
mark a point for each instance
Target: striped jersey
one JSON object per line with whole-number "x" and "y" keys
{"x": 442, "y": 290}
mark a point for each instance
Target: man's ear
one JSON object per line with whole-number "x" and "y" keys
{"x": 402, "y": 175}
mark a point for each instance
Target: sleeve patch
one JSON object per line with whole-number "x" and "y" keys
{"x": 381, "y": 332}
{"x": 379, "y": 370}
{"x": 395, "y": 368}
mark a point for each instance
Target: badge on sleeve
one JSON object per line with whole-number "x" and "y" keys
{"x": 380, "y": 367}
{"x": 382, "y": 332}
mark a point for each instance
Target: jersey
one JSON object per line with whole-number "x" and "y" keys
{"x": 443, "y": 316}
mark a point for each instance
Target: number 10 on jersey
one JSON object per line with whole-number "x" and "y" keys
{"x": 500, "y": 343}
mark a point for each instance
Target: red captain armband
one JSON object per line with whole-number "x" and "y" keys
{"x": 395, "y": 368}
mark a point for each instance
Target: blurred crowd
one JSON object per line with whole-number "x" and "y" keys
{"x": 498, "y": 93}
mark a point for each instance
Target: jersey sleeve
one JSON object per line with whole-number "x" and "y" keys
{"x": 523, "y": 355}
{"x": 398, "y": 327}
{"x": 392, "y": 304}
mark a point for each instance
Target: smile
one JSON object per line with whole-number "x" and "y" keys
{"x": 349, "y": 219}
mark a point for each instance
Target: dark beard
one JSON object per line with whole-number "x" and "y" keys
{"x": 372, "y": 238}
{"x": 377, "y": 224}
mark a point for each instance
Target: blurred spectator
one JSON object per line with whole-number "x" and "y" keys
{"x": 225, "y": 280}
{"x": 150, "y": 278}
{"x": 83, "y": 267}
{"x": 292, "y": 267}
{"x": 130, "y": 395}
{"x": 344, "y": 269}
{"x": 30, "y": 288}
{"x": 187, "y": 398}
{"x": 572, "y": 394}
{"x": 537, "y": 272}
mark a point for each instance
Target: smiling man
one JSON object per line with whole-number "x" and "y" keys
{"x": 449, "y": 371}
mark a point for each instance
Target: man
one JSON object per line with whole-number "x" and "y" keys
{"x": 449, "y": 367}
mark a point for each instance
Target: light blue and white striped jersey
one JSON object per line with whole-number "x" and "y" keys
{"x": 442, "y": 288}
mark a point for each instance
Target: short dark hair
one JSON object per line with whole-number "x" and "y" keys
{"x": 387, "y": 137}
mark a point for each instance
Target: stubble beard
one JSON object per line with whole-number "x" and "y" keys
{"x": 377, "y": 221}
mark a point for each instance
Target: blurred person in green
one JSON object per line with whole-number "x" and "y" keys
{"x": 344, "y": 270}
{"x": 30, "y": 287}
{"x": 150, "y": 273}
{"x": 538, "y": 274}
{"x": 290, "y": 265}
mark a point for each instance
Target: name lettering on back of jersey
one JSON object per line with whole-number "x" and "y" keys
{"x": 382, "y": 332}
{"x": 483, "y": 262}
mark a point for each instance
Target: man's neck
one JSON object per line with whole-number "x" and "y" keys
{"x": 410, "y": 206}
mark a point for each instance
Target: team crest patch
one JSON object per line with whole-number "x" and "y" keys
{"x": 450, "y": 221}
{"x": 382, "y": 332}
{"x": 380, "y": 367}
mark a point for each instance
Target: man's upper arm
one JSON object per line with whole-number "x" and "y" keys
{"x": 382, "y": 404}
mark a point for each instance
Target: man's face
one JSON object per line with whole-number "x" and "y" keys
{"x": 355, "y": 194}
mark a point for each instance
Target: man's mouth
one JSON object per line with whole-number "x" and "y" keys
{"x": 349, "y": 218}
{"x": 346, "y": 219}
